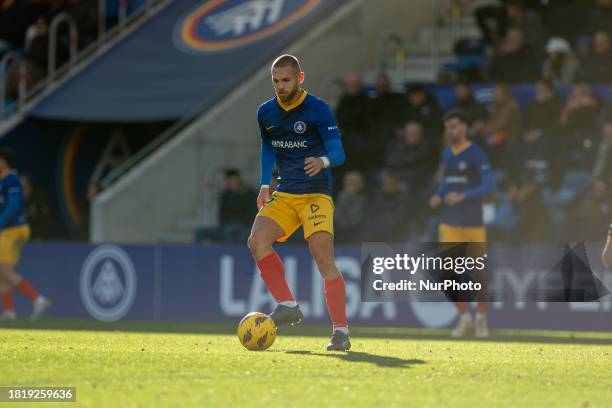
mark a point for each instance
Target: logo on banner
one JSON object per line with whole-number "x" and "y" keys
{"x": 108, "y": 283}
{"x": 218, "y": 25}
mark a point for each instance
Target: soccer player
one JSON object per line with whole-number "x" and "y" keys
{"x": 606, "y": 255}
{"x": 467, "y": 178}
{"x": 298, "y": 134}
{"x": 14, "y": 233}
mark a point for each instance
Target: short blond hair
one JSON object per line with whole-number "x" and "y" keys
{"x": 287, "y": 60}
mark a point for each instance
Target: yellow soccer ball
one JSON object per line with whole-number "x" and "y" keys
{"x": 256, "y": 331}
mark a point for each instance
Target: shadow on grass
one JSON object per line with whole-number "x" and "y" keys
{"x": 510, "y": 336}
{"x": 362, "y": 357}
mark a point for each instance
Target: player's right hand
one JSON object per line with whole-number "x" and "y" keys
{"x": 435, "y": 201}
{"x": 264, "y": 195}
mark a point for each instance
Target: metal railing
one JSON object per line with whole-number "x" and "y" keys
{"x": 72, "y": 43}
{"x": 29, "y": 95}
{"x": 12, "y": 57}
{"x": 392, "y": 50}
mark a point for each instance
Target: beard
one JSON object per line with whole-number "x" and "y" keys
{"x": 290, "y": 95}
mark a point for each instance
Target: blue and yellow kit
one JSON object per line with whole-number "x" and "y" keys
{"x": 466, "y": 170}
{"x": 14, "y": 229}
{"x": 289, "y": 134}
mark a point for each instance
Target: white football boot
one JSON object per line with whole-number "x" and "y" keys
{"x": 40, "y": 305}
{"x": 464, "y": 326}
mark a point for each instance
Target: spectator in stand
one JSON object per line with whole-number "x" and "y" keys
{"x": 36, "y": 209}
{"x": 561, "y": 64}
{"x": 503, "y": 126}
{"x": 476, "y": 112}
{"x": 597, "y": 66}
{"x": 515, "y": 61}
{"x": 527, "y": 21}
{"x": 35, "y": 59}
{"x": 388, "y": 212}
{"x": 542, "y": 115}
{"x": 495, "y": 21}
{"x": 579, "y": 120}
{"x": 352, "y": 118}
{"x": 423, "y": 108}
{"x": 413, "y": 159}
{"x": 351, "y": 206}
{"x": 236, "y": 212}
{"x": 385, "y": 115}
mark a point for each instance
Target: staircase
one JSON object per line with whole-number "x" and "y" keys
{"x": 420, "y": 59}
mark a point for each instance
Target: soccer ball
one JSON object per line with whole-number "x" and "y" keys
{"x": 256, "y": 331}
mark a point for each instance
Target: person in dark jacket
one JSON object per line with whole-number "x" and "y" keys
{"x": 236, "y": 212}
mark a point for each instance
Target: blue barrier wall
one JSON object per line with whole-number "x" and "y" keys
{"x": 221, "y": 283}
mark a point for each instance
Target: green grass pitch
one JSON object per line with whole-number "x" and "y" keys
{"x": 184, "y": 365}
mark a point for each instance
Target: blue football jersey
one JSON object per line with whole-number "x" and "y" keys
{"x": 296, "y": 132}
{"x": 10, "y": 187}
{"x": 469, "y": 172}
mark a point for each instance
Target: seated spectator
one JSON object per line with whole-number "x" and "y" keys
{"x": 514, "y": 61}
{"x": 560, "y": 65}
{"x": 388, "y": 212}
{"x": 495, "y": 21}
{"x": 351, "y": 206}
{"x": 527, "y": 21}
{"x": 413, "y": 159}
{"x": 385, "y": 116}
{"x": 35, "y": 59}
{"x": 476, "y": 112}
{"x": 352, "y": 118}
{"x": 423, "y": 108}
{"x": 579, "y": 121}
{"x": 542, "y": 115}
{"x": 504, "y": 123}
{"x": 236, "y": 212}
{"x": 596, "y": 66}
{"x": 492, "y": 21}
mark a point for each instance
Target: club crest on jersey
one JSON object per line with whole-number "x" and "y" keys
{"x": 299, "y": 127}
{"x": 462, "y": 165}
{"x": 218, "y": 25}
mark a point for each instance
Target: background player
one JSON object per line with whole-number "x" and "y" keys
{"x": 466, "y": 179}
{"x": 14, "y": 233}
{"x": 299, "y": 134}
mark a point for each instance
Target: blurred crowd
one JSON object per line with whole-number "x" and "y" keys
{"x": 552, "y": 160}
{"x": 24, "y": 29}
{"x": 525, "y": 40}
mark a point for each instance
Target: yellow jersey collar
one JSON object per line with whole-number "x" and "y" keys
{"x": 458, "y": 149}
{"x": 295, "y": 104}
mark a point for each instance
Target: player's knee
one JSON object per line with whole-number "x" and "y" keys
{"x": 256, "y": 244}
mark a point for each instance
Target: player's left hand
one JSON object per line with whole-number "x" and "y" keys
{"x": 313, "y": 165}
{"x": 453, "y": 198}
